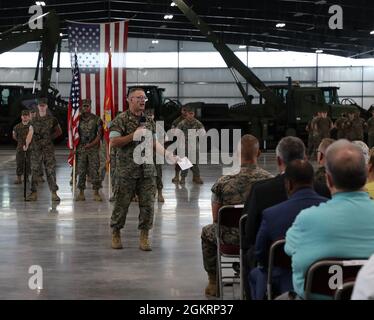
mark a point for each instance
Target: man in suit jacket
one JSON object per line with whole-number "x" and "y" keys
{"x": 275, "y": 222}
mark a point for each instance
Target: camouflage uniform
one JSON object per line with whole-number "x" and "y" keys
{"x": 228, "y": 190}
{"x": 185, "y": 125}
{"x": 370, "y": 128}
{"x": 43, "y": 151}
{"x": 339, "y": 125}
{"x": 102, "y": 152}
{"x": 132, "y": 178}
{"x": 173, "y": 126}
{"x": 21, "y": 132}
{"x": 88, "y": 159}
{"x": 354, "y": 129}
{"x": 313, "y": 138}
{"x": 322, "y": 127}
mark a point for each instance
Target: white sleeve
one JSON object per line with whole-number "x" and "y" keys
{"x": 364, "y": 286}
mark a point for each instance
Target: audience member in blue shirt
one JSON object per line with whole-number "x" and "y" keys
{"x": 342, "y": 227}
{"x": 275, "y": 222}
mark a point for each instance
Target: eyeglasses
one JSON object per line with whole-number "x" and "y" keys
{"x": 141, "y": 98}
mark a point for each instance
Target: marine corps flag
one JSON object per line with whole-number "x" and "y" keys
{"x": 108, "y": 100}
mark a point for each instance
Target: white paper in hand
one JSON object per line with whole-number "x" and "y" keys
{"x": 185, "y": 163}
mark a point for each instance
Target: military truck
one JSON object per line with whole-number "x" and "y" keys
{"x": 13, "y": 99}
{"x": 279, "y": 113}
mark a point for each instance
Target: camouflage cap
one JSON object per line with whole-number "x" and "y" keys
{"x": 42, "y": 100}
{"x": 86, "y": 102}
{"x": 25, "y": 113}
{"x": 189, "y": 108}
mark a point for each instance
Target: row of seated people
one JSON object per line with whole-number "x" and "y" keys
{"x": 324, "y": 214}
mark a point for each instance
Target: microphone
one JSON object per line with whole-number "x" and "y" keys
{"x": 142, "y": 121}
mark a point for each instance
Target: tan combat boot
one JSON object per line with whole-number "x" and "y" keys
{"x": 160, "y": 197}
{"x": 33, "y": 196}
{"x": 97, "y": 196}
{"x": 135, "y": 198}
{"x": 18, "y": 180}
{"x": 144, "y": 241}
{"x": 197, "y": 180}
{"x": 80, "y": 196}
{"x": 116, "y": 239}
{"x": 55, "y": 197}
{"x": 211, "y": 289}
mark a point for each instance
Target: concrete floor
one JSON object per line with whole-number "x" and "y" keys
{"x": 71, "y": 241}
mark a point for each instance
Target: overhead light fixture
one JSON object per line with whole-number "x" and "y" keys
{"x": 154, "y": 41}
{"x": 173, "y": 4}
{"x": 168, "y": 16}
{"x": 61, "y": 34}
{"x": 40, "y": 3}
{"x": 242, "y": 46}
{"x": 320, "y": 2}
{"x": 319, "y": 51}
{"x": 280, "y": 25}
{"x": 298, "y": 14}
{"x": 372, "y": 32}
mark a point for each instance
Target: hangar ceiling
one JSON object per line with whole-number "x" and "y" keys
{"x": 250, "y": 23}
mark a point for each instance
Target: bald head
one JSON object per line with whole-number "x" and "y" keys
{"x": 249, "y": 148}
{"x": 346, "y": 166}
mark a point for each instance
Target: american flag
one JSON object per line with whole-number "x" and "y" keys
{"x": 73, "y": 111}
{"x": 93, "y": 42}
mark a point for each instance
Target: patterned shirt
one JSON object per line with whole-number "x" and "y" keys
{"x": 89, "y": 129}
{"x": 21, "y": 130}
{"x": 44, "y": 128}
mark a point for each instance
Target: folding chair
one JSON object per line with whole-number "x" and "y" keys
{"x": 318, "y": 275}
{"x": 242, "y": 223}
{"x": 277, "y": 258}
{"x": 228, "y": 216}
{"x": 345, "y": 292}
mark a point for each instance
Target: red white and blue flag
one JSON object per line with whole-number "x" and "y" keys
{"x": 93, "y": 42}
{"x": 73, "y": 112}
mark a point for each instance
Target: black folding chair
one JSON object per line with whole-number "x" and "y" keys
{"x": 277, "y": 258}
{"x": 318, "y": 276}
{"x": 228, "y": 216}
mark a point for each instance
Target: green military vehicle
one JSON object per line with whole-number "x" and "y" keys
{"x": 281, "y": 112}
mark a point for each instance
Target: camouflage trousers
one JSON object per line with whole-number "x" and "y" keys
{"x": 195, "y": 171}
{"x": 102, "y": 152}
{"x": 21, "y": 156}
{"x": 371, "y": 140}
{"x": 88, "y": 163}
{"x": 43, "y": 155}
{"x": 209, "y": 244}
{"x": 159, "y": 183}
{"x": 124, "y": 191}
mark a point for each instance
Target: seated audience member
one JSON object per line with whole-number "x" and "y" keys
{"x": 320, "y": 176}
{"x": 230, "y": 190}
{"x": 364, "y": 285}
{"x": 275, "y": 222}
{"x": 343, "y": 227}
{"x": 370, "y": 182}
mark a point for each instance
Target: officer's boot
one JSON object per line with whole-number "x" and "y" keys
{"x": 80, "y": 196}
{"x": 33, "y": 196}
{"x": 160, "y": 197}
{"x": 18, "y": 180}
{"x": 182, "y": 180}
{"x": 211, "y": 289}
{"x": 116, "y": 239}
{"x": 197, "y": 180}
{"x": 176, "y": 178}
{"x": 55, "y": 197}
{"x": 97, "y": 196}
{"x": 144, "y": 241}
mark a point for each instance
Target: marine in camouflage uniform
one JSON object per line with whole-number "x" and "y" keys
{"x": 20, "y": 132}
{"x": 174, "y": 126}
{"x": 90, "y": 133}
{"x": 311, "y": 146}
{"x": 131, "y": 177}
{"x": 44, "y": 128}
{"x": 322, "y": 126}
{"x": 339, "y": 125}
{"x": 370, "y": 129}
{"x": 228, "y": 190}
{"x": 354, "y": 127}
{"x": 191, "y": 123}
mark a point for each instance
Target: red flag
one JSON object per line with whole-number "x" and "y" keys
{"x": 108, "y": 100}
{"x": 73, "y": 112}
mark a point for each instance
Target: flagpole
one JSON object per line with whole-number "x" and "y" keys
{"x": 109, "y": 175}
{"x": 74, "y": 167}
